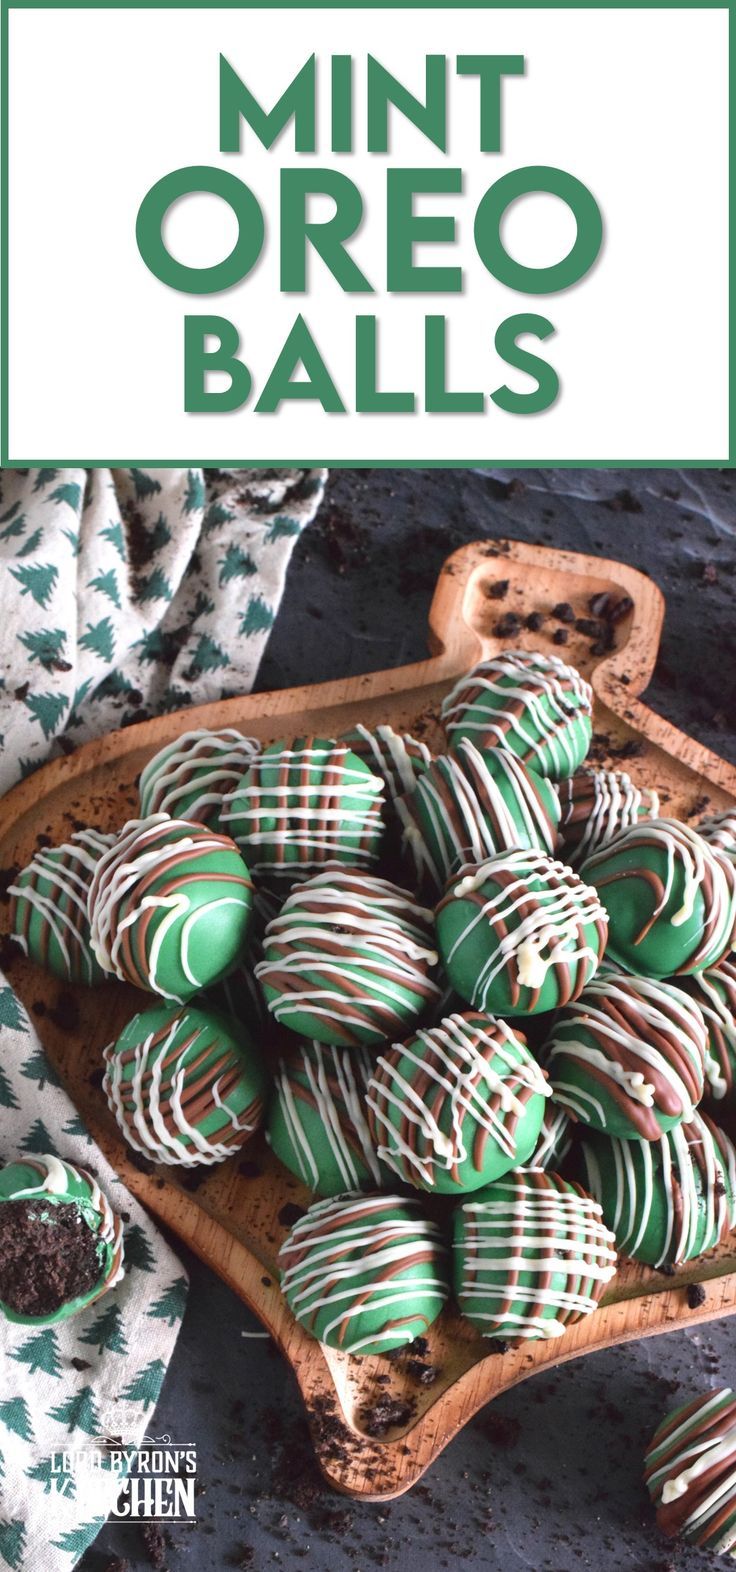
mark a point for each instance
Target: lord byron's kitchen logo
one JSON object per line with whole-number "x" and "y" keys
{"x": 156, "y": 1480}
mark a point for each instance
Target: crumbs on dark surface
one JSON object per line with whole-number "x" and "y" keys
{"x": 695, "y": 1295}
{"x": 154, "y": 1545}
{"x": 502, "y": 1430}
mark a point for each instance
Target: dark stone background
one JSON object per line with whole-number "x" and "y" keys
{"x": 549, "y": 1476}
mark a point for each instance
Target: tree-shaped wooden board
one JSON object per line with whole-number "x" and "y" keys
{"x": 234, "y": 1217}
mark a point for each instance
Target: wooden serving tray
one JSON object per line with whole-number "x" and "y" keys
{"x": 231, "y": 1217}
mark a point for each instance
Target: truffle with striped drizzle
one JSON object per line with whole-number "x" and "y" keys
{"x": 719, "y": 830}
{"x": 183, "y": 1087}
{"x": 398, "y": 758}
{"x": 555, "y": 1139}
{"x": 690, "y": 1472}
{"x": 302, "y": 806}
{"x": 48, "y": 910}
{"x": 670, "y": 899}
{"x": 364, "y": 1273}
{"x": 191, "y": 777}
{"x": 55, "y": 1195}
{"x": 531, "y": 1255}
{"x": 531, "y": 704}
{"x": 520, "y": 933}
{"x": 596, "y": 805}
{"x": 458, "y": 1105}
{"x": 349, "y": 959}
{"x": 470, "y": 805}
{"x": 628, "y": 1057}
{"x": 239, "y": 994}
{"x": 317, "y": 1121}
{"x": 714, "y": 990}
{"x": 670, "y": 1200}
{"x": 169, "y": 906}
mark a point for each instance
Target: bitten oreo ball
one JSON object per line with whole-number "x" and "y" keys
{"x": 628, "y": 1057}
{"x": 169, "y": 906}
{"x": 61, "y": 1243}
{"x": 531, "y": 1255}
{"x": 470, "y": 805}
{"x": 458, "y": 1105}
{"x": 670, "y": 1200}
{"x": 533, "y": 705}
{"x": 595, "y": 806}
{"x": 690, "y": 1472}
{"x": 48, "y": 907}
{"x": 520, "y": 934}
{"x": 184, "y": 1088}
{"x": 191, "y": 777}
{"x": 349, "y": 959}
{"x": 670, "y": 899}
{"x": 364, "y": 1273}
{"x": 302, "y": 806}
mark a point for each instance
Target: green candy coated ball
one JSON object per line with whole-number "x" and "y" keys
{"x": 628, "y": 1057}
{"x": 46, "y": 1184}
{"x": 670, "y": 1200}
{"x": 671, "y": 901}
{"x": 185, "y": 1085}
{"x": 690, "y": 1472}
{"x": 301, "y": 806}
{"x": 531, "y": 1255}
{"x": 470, "y": 805}
{"x": 531, "y": 704}
{"x": 364, "y": 1273}
{"x": 349, "y": 959}
{"x": 714, "y": 991}
{"x": 519, "y": 934}
{"x": 192, "y": 775}
{"x": 48, "y": 911}
{"x": 317, "y": 1121}
{"x": 458, "y": 1105}
{"x": 170, "y": 904}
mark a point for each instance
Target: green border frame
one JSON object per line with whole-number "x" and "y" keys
{"x": 727, "y": 462}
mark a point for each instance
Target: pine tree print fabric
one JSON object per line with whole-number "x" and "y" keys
{"x": 123, "y": 594}
{"x": 129, "y": 593}
{"x": 122, "y": 1344}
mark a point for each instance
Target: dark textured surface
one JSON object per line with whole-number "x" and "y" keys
{"x": 548, "y": 1477}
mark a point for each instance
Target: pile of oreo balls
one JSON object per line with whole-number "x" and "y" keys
{"x": 485, "y": 967}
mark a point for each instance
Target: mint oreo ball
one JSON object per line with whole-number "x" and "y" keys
{"x": 457, "y": 1105}
{"x": 48, "y": 907}
{"x": 169, "y": 906}
{"x": 191, "y": 777}
{"x": 670, "y": 899}
{"x": 364, "y": 1273}
{"x": 628, "y": 1056}
{"x": 304, "y": 805}
{"x": 469, "y": 805}
{"x": 398, "y": 758}
{"x": 597, "y": 805}
{"x": 183, "y": 1086}
{"x": 533, "y": 705}
{"x": 531, "y": 1255}
{"x": 520, "y": 934}
{"x": 714, "y": 991}
{"x": 349, "y": 959}
{"x": 690, "y": 1472}
{"x": 61, "y": 1243}
{"x": 555, "y": 1139}
{"x": 719, "y": 830}
{"x": 318, "y": 1120}
{"x": 670, "y": 1200}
